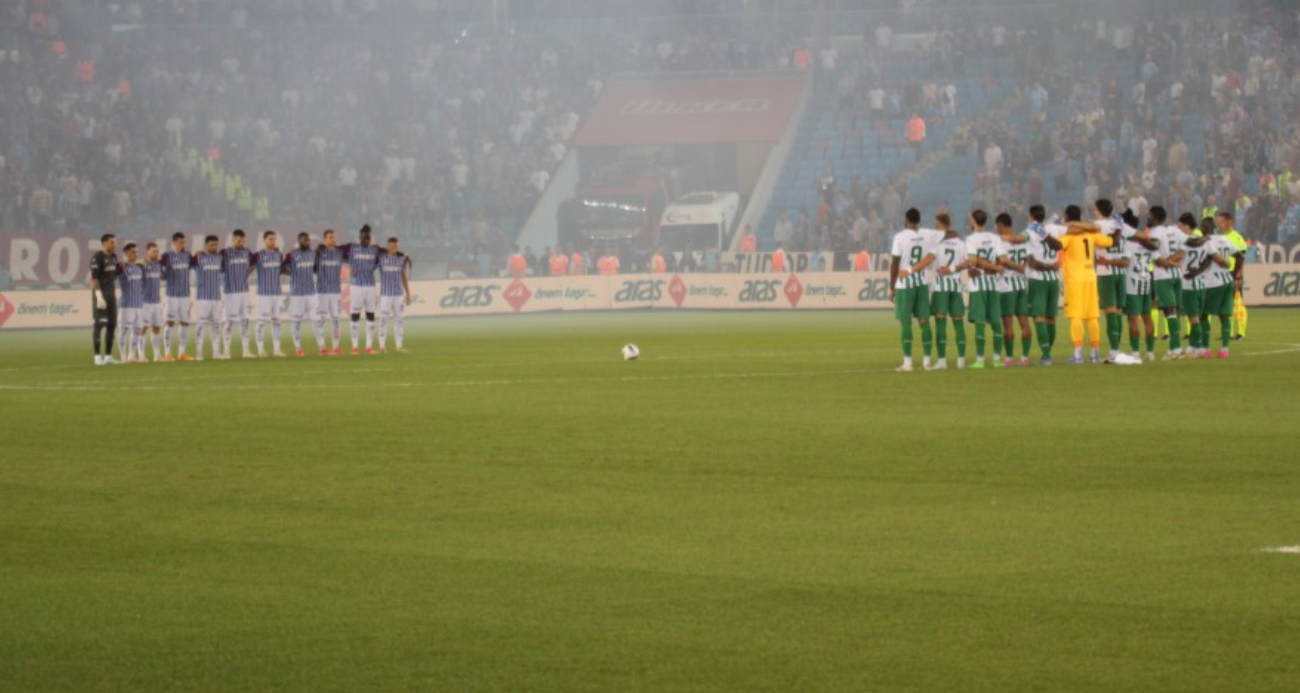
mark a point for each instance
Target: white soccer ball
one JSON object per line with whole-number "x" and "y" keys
{"x": 631, "y": 352}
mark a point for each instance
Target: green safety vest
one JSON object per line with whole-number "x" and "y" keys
{"x": 245, "y": 200}
{"x": 262, "y": 209}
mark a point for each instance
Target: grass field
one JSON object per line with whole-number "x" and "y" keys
{"x": 760, "y": 504}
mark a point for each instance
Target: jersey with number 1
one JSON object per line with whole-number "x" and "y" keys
{"x": 1078, "y": 253}
{"x": 910, "y": 247}
{"x": 949, "y": 253}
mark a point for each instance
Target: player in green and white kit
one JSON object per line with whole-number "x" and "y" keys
{"x": 1191, "y": 300}
{"x": 909, "y": 285}
{"x": 1013, "y": 291}
{"x": 1220, "y": 288}
{"x": 1044, "y": 273}
{"x": 1137, "y": 302}
{"x": 1110, "y": 271}
{"x": 984, "y": 256}
{"x": 946, "y": 292}
{"x": 1169, "y": 254}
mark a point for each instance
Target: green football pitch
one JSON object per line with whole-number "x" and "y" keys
{"x": 759, "y": 504}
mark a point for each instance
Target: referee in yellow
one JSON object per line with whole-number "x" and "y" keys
{"x": 1225, "y": 221}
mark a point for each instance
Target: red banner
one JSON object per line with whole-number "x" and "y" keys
{"x": 692, "y": 112}
{"x": 40, "y": 260}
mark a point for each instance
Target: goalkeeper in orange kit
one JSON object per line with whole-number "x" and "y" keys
{"x": 1078, "y": 259}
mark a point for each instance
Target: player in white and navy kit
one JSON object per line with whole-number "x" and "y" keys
{"x": 363, "y": 258}
{"x": 207, "y": 279}
{"x": 177, "y": 264}
{"x": 130, "y": 278}
{"x": 394, "y": 294}
{"x": 151, "y": 317}
{"x": 269, "y": 265}
{"x": 329, "y": 287}
{"x": 237, "y": 263}
{"x": 302, "y": 291}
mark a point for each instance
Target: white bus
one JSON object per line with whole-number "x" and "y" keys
{"x": 699, "y": 221}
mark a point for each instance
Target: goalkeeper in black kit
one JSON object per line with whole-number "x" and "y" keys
{"x": 103, "y": 282}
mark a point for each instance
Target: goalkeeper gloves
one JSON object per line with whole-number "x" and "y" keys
{"x": 100, "y": 304}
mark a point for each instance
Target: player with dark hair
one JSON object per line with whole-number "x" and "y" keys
{"x": 208, "y": 266}
{"x": 269, "y": 264}
{"x": 130, "y": 276}
{"x": 909, "y": 286}
{"x": 984, "y": 257}
{"x": 301, "y": 264}
{"x": 394, "y": 294}
{"x": 1013, "y": 291}
{"x": 946, "y": 294}
{"x": 329, "y": 288}
{"x": 363, "y": 260}
{"x": 177, "y": 264}
{"x": 151, "y": 316}
{"x": 1044, "y": 273}
{"x": 237, "y": 263}
{"x": 103, "y": 282}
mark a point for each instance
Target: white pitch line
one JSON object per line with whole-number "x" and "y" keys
{"x": 109, "y": 387}
{"x": 663, "y": 378}
{"x": 227, "y": 376}
{"x": 1293, "y": 348}
{"x": 1280, "y": 549}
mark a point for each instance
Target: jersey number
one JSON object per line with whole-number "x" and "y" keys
{"x": 1087, "y": 249}
{"x": 916, "y": 254}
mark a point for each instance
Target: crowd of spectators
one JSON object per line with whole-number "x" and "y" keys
{"x": 314, "y": 114}
{"x": 1197, "y": 113}
{"x": 115, "y": 115}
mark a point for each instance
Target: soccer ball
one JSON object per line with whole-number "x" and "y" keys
{"x": 631, "y": 352}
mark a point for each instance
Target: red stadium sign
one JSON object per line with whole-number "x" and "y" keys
{"x": 692, "y": 112}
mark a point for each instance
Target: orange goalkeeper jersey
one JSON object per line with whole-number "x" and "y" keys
{"x": 1078, "y": 255}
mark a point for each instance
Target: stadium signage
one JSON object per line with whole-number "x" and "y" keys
{"x": 1282, "y": 285}
{"x": 468, "y": 297}
{"x": 640, "y": 291}
{"x": 1266, "y": 285}
{"x": 691, "y": 111}
{"x": 760, "y": 291}
{"x": 642, "y": 107}
{"x": 874, "y": 289}
{"x": 760, "y": 263}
